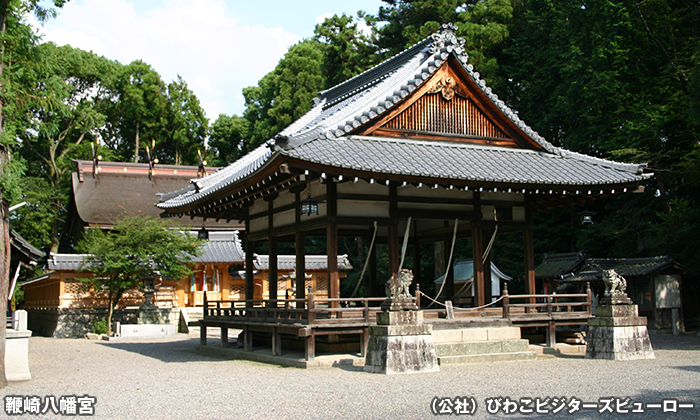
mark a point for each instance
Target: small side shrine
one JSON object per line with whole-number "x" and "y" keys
{"x": 417, "y": 144}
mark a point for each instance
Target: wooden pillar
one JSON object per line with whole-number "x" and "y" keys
{"x": 249, "y": 280}
{"x": 529, "y": 247}
{"x": 393, "y": 231}
{"x": 300, "y": 265}
{"x": 224, "y": 336}
{"x": 272, "y": 241}
{"x": 487, "y": 270}
{"x": 478, "y": 252}
{"x": 332, "y": 241}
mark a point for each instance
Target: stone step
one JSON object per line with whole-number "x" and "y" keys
{"x": 194, "y": 314}
{"x": 487, "y": 358}
{"x": 465, "y": 335}
{"x": 481, "y": 347}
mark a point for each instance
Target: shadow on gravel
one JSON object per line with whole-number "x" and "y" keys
{"x": 180, "y": 351}
{"x": 682, "y": 342}
{"x": 688, "y": 368}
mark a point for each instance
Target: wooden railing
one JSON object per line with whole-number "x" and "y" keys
{"x": 308, "y": 311}
{"x": 549, "y": 310}
{"x": 548, "y": 306}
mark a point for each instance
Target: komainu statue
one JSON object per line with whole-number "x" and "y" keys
{"x": 615, "y": 284}
{"x": 397, "y": 287}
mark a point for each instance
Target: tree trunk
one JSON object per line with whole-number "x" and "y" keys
{"x": 4, "y": 212}
{"x": 136, "y": 146}
{"x": 54, "y": 235}
{"x": 4, "y": 266}
{"x": 110, "y": 311}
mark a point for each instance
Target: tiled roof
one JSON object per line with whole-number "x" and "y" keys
{"x": 29, "y": 251}
{"x": 311, "y": 262}
{"x": 234, "y": 172}
{"x": 222, "y": 247}
{"x": 631, "y": 266}
{"x": 452, "y": 161}
{"x": 555, "y": 265}
{"x": 592, "y": 268}
{"x": 351, "y": 104}
{"x": 322, "y": 136}
{"x": 66, "y": 261}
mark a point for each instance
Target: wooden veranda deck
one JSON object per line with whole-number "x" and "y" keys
{"x": 311, "y": 317}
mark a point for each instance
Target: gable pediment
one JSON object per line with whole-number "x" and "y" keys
{"x": 449, "y": 107}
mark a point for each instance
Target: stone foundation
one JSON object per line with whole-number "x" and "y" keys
{"x": 400, "y": 343}
{"x": 75, "y": 323}
{"x": 618, "y": 333}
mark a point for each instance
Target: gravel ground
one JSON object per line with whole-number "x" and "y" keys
{"x": 169, "y": 379}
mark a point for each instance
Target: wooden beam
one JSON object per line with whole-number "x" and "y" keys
{"x": 300, "y": 248}
{"x": 272, "y": 272}
{"x": 478, "y": 252}
{"x": 393, "y": 232}
{"x": 332, "y": 241}
{"x": 249, "y": 280}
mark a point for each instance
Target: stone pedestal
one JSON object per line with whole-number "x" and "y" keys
{"x": 150, "y": 316}
{"x": 618, "y": 332}
{"x": 400, "y": 343}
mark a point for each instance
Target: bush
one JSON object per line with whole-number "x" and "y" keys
{"x": 100, "y": 326}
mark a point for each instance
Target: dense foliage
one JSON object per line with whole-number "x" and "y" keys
{"x": 134, "y": 249}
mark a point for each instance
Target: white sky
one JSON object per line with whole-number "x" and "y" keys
{"x": 218, "y": 46}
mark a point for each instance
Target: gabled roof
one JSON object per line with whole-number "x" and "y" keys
{"x": 352, "y": 128}
{"x": 222, "y": 247}
{"x": 66, "y": 261}
{"x": 23, "y": 250}
{"x": 573, "y": 267}
{"x": 633, "y": 266}
{"x": 556, "y": 265}
{"x": 121, "y": 189}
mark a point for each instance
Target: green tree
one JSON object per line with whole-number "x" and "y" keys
{"x": 187, "y": 126}
{"x": 347, "y": 51}
{"x": 70, "y": 85}
{"x": 284, "y": 94}
{"x": 18, "y": 40}
{"x": 226, "y": 138}
{"x": 409, "y": 21}
{"x": 140, "y": 115}
{"x": 136, "y": 248}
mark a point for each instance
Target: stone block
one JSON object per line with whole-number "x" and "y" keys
{"x": 514, "y": 346}
{"x": 503, "y": 333}
{"x": 488, "y": 358}
{"x": 400, "y": 330}
{"x": 475, "y": 334}
{"x": 147, "y": 330}
{"x": 628, "y": 321}
{"x": 619, "y": 343}
{"x": 19, "y": 320}
{"x": 476, "y": 347}
{"x": 17, "y": 355}
{"x": 447, "y": 336}
{"x": 616, "y": 311}
{"x": 400, "y": 318}
{"x": 401, "y": 354}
